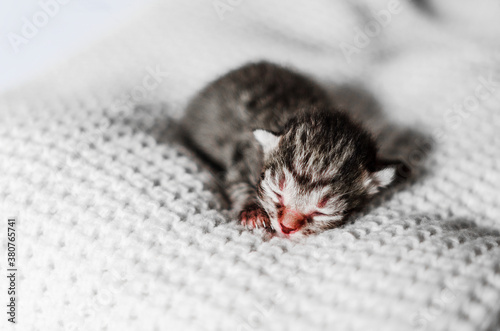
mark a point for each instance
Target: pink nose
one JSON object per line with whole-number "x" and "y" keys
{"x": 291, "y": 222}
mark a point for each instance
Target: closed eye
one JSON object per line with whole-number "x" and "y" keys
{"x": 277, "y": 197}
{"x": 320, "y": 217}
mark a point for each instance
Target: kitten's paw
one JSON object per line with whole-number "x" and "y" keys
{"x": 254, "y": 216}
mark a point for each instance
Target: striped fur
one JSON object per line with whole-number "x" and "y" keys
{"x": 288, "y": 157}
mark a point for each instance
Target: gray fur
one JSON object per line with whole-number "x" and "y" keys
{"x": 317, "y": 152}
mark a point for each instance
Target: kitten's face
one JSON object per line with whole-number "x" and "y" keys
{"x": 296, "y": 209}
{"x": 306, "y": 188}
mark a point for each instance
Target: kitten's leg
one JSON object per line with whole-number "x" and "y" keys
{"x": 251, "y": 214}
{"x": 241, "y": 181}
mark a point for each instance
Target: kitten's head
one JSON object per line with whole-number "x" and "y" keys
{"x": 317, "y": 171}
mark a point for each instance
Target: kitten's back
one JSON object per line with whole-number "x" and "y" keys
{"x": 221, "y": 118}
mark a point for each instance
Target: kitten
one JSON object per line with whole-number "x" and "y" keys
{"x": 291, "y": 162}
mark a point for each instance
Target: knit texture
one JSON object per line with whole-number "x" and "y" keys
{"x": 121, "y": 229}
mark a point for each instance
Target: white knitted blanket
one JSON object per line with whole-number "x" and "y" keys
{"x": 118, "y": 229}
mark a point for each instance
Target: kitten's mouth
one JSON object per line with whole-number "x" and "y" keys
{"x": 286, "y": 230}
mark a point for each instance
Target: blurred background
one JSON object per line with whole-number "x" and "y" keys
{"x": 379, "y": 43}
{"x": 122, "y": 231}
{"x": 35, "y": 36}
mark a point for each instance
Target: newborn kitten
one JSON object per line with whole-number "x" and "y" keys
{"x": 291, "y": 161}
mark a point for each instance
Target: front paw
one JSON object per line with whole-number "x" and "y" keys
{"x": 254, "y": 216}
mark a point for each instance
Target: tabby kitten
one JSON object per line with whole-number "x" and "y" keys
{"x": 291, "y": 161}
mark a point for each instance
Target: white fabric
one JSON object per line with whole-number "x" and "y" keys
{"x": 118, "y": 229}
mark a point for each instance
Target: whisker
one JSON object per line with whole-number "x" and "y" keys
{"x": 355, "y": 190}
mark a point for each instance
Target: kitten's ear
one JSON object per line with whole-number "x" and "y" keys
{"x": 267, "y": 140}
{"x": 382, "y": 177}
